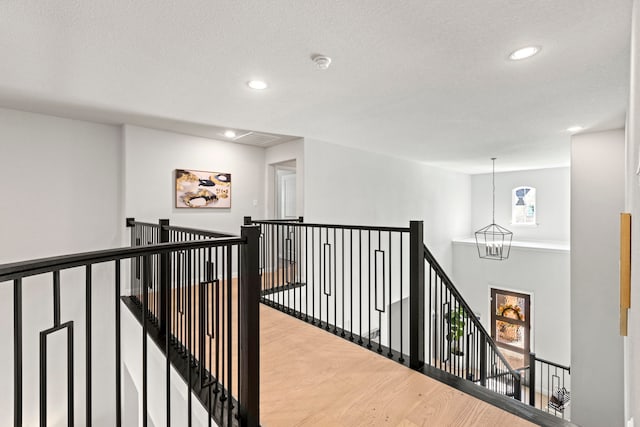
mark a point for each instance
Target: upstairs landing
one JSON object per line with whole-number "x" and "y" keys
{"x": 310, "y": 378}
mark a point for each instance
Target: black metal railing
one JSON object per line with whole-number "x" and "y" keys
{"x": 547, "y": 386}
{"x": 349, "y": 280}
{"x": 144, "y": 233}
{"x": 176, "y": 289}
{"x": 458, "y": 343}
{"x": 380, "y": 287}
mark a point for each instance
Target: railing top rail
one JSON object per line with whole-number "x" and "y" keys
{"x": 449, "y": 284}
{"x": 21, "y": 269}
{"x": 277, "y": 220}
{"x": 557, "y": 365}
{"x": 337, "y": 226}
{"x": 205, "y": 233}
{"x": 144, "y": 224}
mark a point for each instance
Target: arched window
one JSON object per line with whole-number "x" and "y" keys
{"x": 523, "y": 205}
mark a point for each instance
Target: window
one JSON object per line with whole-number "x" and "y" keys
{"x": 523, "y": 205}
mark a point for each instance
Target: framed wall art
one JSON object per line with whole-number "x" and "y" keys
{"x": 202, "y": 190}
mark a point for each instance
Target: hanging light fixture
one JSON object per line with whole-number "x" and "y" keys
{"x": 494, "y": 241}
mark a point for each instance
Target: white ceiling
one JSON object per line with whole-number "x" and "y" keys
{"x": 421, "y": 79}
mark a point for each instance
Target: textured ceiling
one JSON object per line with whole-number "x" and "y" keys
{"x": 424, "y": 79}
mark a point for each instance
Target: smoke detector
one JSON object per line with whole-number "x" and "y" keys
{"x": 321, "y": 61}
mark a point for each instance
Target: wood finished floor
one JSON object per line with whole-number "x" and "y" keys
{"x": 312, "y": 378}
{"x": 309, "y": 377}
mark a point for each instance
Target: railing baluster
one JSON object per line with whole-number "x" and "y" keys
{"x": 210, "y": 329}
{"x": 389, "y": 315}
{"x": 189, "y": 287}
{"x": 301, "y": 256}
{"x": 145, "y": 274}
{"x": 313, "y": 277}
{"x": 344, "y": 325}
{"x": 218, "y": 283}
{"x": 335, "y": 283}
{"x": 440, "y": 318}
{"x": 321, "y": 257}
{"x": 17, "y": 352}
{"x": 88, "y": 341}
{"x": 224, "y": 308}
{"x": 165, "y": 281}
{"x": 369, "y": 280}
{"x": 118, "y": 353}
{"x": 401, "y": 359}
{"x": 279, "y": 271}
{"x": 360, "y": 285}
{"x": 351, "y": 284}
{"x": 375, "y": 290}
{"x": 229, "y": 339}
{"x": 56, "y": 298}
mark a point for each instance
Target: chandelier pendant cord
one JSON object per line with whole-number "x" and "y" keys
{"x": 493, "y": 159}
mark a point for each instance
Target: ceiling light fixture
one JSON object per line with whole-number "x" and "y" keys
{"x": 494, "y": 241}
{"x": 574, "y": 129}
{"x": 230, "y": 134}
{"x": 524, "y": 53}
{"x": 257, "y": 84}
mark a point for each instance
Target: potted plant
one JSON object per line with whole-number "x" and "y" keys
{"x": 456, "y": 331}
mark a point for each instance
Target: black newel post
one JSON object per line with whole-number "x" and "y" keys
{"x": 532, "y": 379}
{"x": 165, "y": 274}
{"x": 416, "y": 295}
{"x": 249, "y": 328}
{"x": 247, "y": 220}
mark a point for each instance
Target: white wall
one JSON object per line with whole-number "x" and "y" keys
{"x": 632, "y": 353}
{"x": 597, "y": 198}
{"x": 349, "y": 186}
{"x": 60, "y": 183}
{"x": 544, "y": 273}
{"x": 293, "y": 150}
{"x": 552, "y": 202}
{"x": 152, "y": 156}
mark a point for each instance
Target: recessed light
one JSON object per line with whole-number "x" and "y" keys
{"x": 257, "y": 84}
{"x": 574, "y": 129}
{"x": 230, "y": 134}
{"x": 524, "y": 53}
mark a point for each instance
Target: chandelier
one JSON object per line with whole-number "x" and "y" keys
{"x": 494, "y": 241}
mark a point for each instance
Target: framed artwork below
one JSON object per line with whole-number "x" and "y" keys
{"x": 202, "y": 190}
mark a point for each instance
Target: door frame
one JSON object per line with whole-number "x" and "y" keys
{"x": 277, "y": 188}
{"x": 528, "y": 322}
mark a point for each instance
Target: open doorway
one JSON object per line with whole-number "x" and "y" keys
{"x": 285, "y": 190}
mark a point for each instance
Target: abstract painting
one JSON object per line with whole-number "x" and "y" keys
{"x": 200, "y": 189}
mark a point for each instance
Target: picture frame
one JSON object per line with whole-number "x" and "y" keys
{"x": 195, "y": 189}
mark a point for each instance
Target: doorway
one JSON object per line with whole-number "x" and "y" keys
{"x": 285, "y": 194}
{"x": 511, "y": 325}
